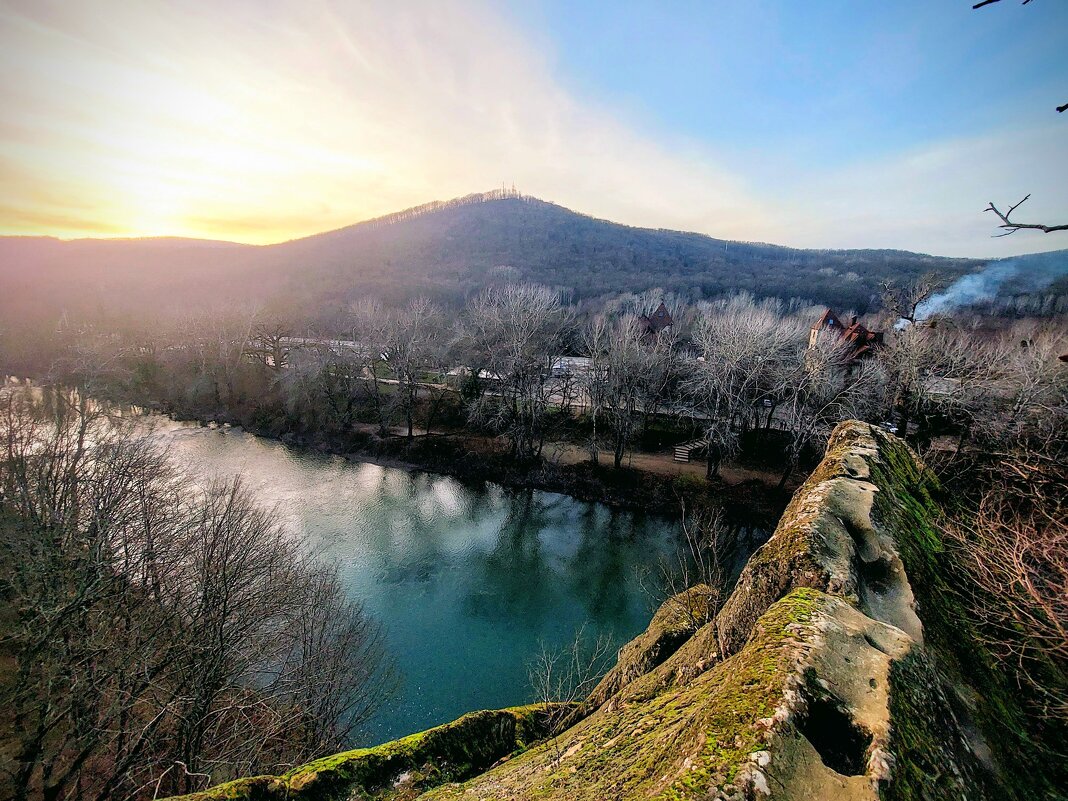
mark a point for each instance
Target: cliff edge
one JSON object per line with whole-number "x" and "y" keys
{"x": 841, "y": 667}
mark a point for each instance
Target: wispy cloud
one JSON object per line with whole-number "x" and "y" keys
{"x": 932, "y": 198}
{"x": 266, "y": 121}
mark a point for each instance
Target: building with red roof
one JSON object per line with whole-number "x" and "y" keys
{"x": 656, "y": 322}
{"x": 859, "y": 341}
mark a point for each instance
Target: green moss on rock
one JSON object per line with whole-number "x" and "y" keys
{"x": 793, "y": 556}
{"x": 446, "y": 753}
{"x": 746, "y": 696}
{"x": 981, "y": 699}
{"x": 675, "y": 622}
{"x": 685, "y": 742}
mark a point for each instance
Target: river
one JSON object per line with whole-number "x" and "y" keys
{"x": 468, "y": 582}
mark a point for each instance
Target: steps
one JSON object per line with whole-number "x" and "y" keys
{"x": 684, "y": 452}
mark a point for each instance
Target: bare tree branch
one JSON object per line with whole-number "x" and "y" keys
{"x": 1012, "y": 227}
{"x": 989, "y": 2}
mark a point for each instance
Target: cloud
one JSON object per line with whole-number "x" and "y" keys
{"x": 318, "y": 112}
{"x": 266, "y": 121}
{"x": 932, "y": 198}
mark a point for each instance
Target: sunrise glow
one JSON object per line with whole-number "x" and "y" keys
{"x": 263, "y": 122}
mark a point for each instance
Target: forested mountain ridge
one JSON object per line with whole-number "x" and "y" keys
{"x": 446, "y": 250}
{"x": 467, "y": 243}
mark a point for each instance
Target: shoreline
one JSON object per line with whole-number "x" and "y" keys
{"x": 470, "y": 459}
{"x": 474, "y": 458}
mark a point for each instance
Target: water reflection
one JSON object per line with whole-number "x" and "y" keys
{"x": 467, "y": 581}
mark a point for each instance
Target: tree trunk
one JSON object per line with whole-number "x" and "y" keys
{"x": 790, "y": 465}
{"x": 712, "y": 466}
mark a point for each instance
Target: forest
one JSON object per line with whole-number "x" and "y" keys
{"x": 230, "y": 624}
{"x": 447, "y": 252}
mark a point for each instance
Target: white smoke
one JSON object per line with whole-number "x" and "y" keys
{"x": 1034, "y": 273}
{"x": 969, "y": 289}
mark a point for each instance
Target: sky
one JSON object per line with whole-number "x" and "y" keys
{"x": 830, "y": 123}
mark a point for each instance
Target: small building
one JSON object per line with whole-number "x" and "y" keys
{"x": 458, "y": 375}
{"x": 653, "y": 324}
{"x": 860, "y": 342}
{"x": 571, "y": 365}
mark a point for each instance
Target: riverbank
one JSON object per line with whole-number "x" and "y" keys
{"x": 649, "y": 482}
{"x": 653, "y": 487}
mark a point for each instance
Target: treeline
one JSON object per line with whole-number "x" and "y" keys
{"x": 734, "y": 373}
{"x": 441, "y": 205}
{"x": 159, "y": 633}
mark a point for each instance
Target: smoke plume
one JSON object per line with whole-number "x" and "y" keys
{"x": 1027, "y": 275}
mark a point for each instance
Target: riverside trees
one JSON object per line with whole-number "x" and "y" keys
{"x": 746, "y": 351}
{"x": 163, "y": 634}
{"x": 511, "y": 335}
{"x": 628, "y": 377}
{"x": 737, "y": 370}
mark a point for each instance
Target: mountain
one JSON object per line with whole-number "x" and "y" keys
{"x": 446, "y": 250}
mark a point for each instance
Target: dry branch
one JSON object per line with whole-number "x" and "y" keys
{"x": 989, "y": 2}
{"x": 1012, "y": 227}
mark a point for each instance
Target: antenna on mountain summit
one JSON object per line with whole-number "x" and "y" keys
{"x": 508, "y": 191}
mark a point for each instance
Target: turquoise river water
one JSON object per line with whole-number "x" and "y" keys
{"x": 467, "y": 581}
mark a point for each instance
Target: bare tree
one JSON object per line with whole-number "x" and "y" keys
{"x": 902, "y": 301}
{"x": 267, "y": 345}
{"x": 165, "y": 635}
{"x": 412, "y": 338}
{"x": 370, "y": 332}
{"x": 743, "y": 346}
{"x": 618, "y": 381}
{"x": 825, "y": 386}
{"x": 515, "y": 331}
{"x": 325, "y": 386}
{"x": 561, "y": 678}
{"x": 700, "y": 566}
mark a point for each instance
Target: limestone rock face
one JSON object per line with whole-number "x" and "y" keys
{"x": 794, "y": 690}
{"x": 839, "y": 668}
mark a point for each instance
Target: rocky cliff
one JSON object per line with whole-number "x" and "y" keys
{"x": 841, "y": 667}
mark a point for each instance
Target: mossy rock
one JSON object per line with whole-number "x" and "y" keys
{"x": 806, "y": 548}
{"x": 674, "y": 623}
{"x": 687, "y": 741}
{"x": 450, "y": 752}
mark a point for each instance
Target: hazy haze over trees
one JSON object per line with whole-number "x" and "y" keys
{"x": 446, "y": 253}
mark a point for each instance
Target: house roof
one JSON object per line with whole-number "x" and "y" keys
{"x": 828, "y": 318}
{"x": 657, "y": 321}
{"x": 860, "y": 339}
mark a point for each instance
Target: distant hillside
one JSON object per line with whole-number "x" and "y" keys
{"x": 448, "y": 250}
